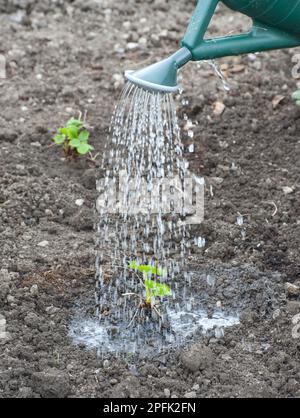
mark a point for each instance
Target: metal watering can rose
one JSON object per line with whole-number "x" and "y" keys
{"x": 276, "y": 25}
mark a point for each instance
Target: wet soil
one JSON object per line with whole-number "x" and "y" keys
{"x": 66, "y": 57}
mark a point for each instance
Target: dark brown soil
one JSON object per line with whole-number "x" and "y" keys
{"x": 63, "y": 58}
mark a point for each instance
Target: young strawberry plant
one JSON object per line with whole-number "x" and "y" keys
{"x": 73, "y": 138}
{"x": 296, "y": 96}
{"x": 153, "y": 289}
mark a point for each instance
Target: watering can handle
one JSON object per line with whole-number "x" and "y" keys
{"x": 199, "y": 23}
{"x": 261, "y": 38}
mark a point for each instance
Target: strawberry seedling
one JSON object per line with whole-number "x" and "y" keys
{"x": 74, "y": 139}
{"x": 296, "y": 97}
{"x": 153, "y": 289}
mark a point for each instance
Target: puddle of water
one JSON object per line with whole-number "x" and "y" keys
{"x": 148, "y": 340}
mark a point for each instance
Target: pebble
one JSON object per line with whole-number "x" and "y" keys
{"x": 190, "y": 395}
{"x": 288, "y": 190}
{"x": 167, "y": 393}
{"x": 51, "y": 310}
{"x": 132, "y": 46}
{"x": 34, "y": 290}
{"x": 127, "y": 25}
{"x": 292, "y": 289}
{"x": 43, "y": 244}
{"x": 155, "y": 39}
{"x": 18, "y": 17}
{"x": 113, "y": 381}
{"x": 48, "y": 212}
{"x": 79, "y": 202}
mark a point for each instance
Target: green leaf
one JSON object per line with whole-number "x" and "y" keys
{"x": 84, "y": 136}
{"x": 84, "y": 148}
{"x": 296, "y": 95}
{"x": 63, "y": 131}
{"x": 298, "y": 102}
{"x": 158, "y": 289}
{"x": 59, "y": 139}
{"x": 147, "y": 269}
{"x": 74, "y": 122}
{"x": 75, "y": 143}
{"x": 73, "y": 132}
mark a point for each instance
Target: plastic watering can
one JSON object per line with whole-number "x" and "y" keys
{"x": 276, "y": 25}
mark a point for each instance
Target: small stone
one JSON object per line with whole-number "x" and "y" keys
{"x": 226, "y": 357}
{"x": 288, "y": 190}
{"x": 219, "y": 108}
{"x": 143, "y": 42}
{"x": 164, "y": 34}
{"x": 196, "y": 387}
{"x": 127, "y": 25}
{"x": 292, "y": 289}
{"x": 52, "y": 310}
{"x": 18, "y": 17}
{"x": 132, "y": 46}
{"x": 48, "y": 212}
{"x": 167, "y": 393}
{"x": 34, "y": 290}
{"x": 43, "y": 244}
{"x": 79, "y": 202}
{"x": 190, "y": 395}
{"x": 118, "y": 81}
{"x": 155, "y": 39}
{"x": 113, "y": 381}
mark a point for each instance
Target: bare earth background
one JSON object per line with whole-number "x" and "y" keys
{"x": 64, "y": 57}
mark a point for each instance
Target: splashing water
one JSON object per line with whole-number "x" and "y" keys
{"x": 219, "y": 73}
{"x": 144, "y": 210}
{"x": 215, "y": 66}
{"x": 141, "y": 206}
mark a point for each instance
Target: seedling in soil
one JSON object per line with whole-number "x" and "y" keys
{"x": 74, "y": 139}
{"x": 153, "y": 289}
{"x": 296, "y": 96}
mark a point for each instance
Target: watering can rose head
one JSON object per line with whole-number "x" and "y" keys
{"x": 275, "y": 26}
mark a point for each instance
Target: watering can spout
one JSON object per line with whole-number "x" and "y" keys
{"x": 266, "y": 34}
{"x": 161, "y": 76}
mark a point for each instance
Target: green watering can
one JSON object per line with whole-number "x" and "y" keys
{"x": 276, "y": 25}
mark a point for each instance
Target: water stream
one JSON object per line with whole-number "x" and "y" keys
{"x": 147, "y": 201}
